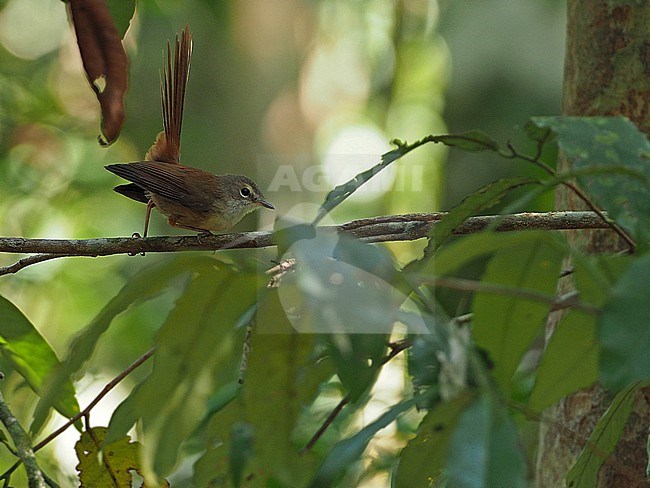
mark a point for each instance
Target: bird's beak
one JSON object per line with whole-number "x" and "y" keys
{"x": 265, "y": 203}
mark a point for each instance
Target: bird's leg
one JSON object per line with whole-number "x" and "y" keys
{"x": 150, "y": 205}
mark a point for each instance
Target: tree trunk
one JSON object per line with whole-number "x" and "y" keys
{"x": 606, "y": 72}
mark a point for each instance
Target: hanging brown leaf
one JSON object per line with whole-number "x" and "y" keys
{"x": 104, "y": 60}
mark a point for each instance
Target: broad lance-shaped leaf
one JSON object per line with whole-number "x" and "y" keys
{"x": 339, "y": 194}
{"x": 471, "y": 141}
{"x": 623, "y": 329}
{"x": 484, "y": 449}
{"x": 197, "y": 339}
{"x": 506, "y": 325}
{"x": 345, "y": 452}
{"x": 570, "y": 359}
{"x": 422, "y": 462}
{"x": 25, "y": 349}
{"x": 283, "y": 375}
{"x": 615, "y": 144}
{"x": 144, "y": 285}
{"x": 603, "y": 439}
{"x": 483, "y": 198}
{"x": 569, "y": 363}
{"x": 241, "y": 450}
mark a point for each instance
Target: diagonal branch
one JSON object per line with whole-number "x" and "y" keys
{"x": 405, "y": 227}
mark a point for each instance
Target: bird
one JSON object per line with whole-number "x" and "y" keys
{"x": 189, "y": 197}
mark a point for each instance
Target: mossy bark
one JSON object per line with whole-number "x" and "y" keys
{"x": 606, "y": 72}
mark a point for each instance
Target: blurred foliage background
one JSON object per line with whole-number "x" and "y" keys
{"x": 299, "y": 94}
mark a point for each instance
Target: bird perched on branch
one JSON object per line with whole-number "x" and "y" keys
{"x": 190, "y": 198}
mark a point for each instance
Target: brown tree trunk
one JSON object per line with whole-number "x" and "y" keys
{"x": 606, "y": 72}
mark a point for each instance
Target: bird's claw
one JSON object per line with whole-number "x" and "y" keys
{"x": 136, "y": 235}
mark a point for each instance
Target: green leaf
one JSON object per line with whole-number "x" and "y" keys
{"x": 423, "y": 460}
{"x": 144, "y": 285}
{"x": 349, "y": 450}
{"x": 614, "y": 144}
{"x": 341, "y": 285}
{"x": 357, "y": 358}
{"x": 483, "y": 198}
{"x": 113, "y": 466}
{"x": 538, "y": 134}
{"x": 241, "y": 450}
{"x": 623, "y": 329}
{"x": 339, "y": 194}
{"x": 194, "y": 353}
{"x": 282, "y": 379}
{"x": 569, "y": 363}
{"x": 603, "y": 439}
{"x": 471, "y": 141}
{"x": 27, "y": 351}
{"x": 283, "y": 376}
{"x": 505, "y": 326}
{"x": 484, "y": 449}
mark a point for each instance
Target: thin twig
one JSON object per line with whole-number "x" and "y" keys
{"x": 395, "y": 349}
{"x": 86, "y": 411}
{"x": 328, "y": 421}
{"x": 515, "y": 154}
{"x": 569, "y": 300}
{"x": 405, "y": 227}
{"x": 23, "y": 445}
{"x": 246, "y": 352}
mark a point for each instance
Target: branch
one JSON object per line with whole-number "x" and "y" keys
{"x": 395, "y": 349}
{"x": 86, "y": 411}
{"x": 568, "y": 300}
{"x": 23, "y": 445}
{"x": 405, "y": 227}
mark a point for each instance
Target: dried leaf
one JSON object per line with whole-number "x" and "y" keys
{"x": 104, "y": 60}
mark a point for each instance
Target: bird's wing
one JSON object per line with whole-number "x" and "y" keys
{"x": 153, "y": 177}
{"x": 173, "y": 83}
{"x": 168, "y": 181}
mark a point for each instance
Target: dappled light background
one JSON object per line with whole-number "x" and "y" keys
{"x": 301, "y": 95}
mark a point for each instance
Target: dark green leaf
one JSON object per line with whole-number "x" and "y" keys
{"x": 503, "y": 325}
{"x": 349, "y": 295}
{"x": 194, "y": 352}
{"x": 623, "y": 329}
{"x": 422, "y": 461}
{"x": 603, "y": 440}
{"x": 569, "y": 363}
{"x": 345, "y": 452}
{"x": 357, "y": 360}
{"x": 25, "y": 349}
{"x": 241, "y": 450}
{"x": 483, "y": 198}
{"x": 282, "y": 379}
{"x": 423, "y": 362}
{"x": 484, "y": 449}
{"x": 471, "y": 141}
{"x": 610, "y": 143}
{"x": 144, "y": 285}
{"x": 537, "y": 133}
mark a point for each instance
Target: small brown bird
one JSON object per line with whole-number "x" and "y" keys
{"x": 189, "y": 197}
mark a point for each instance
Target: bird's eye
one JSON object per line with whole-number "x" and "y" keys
{"x": 245, "y": 192}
